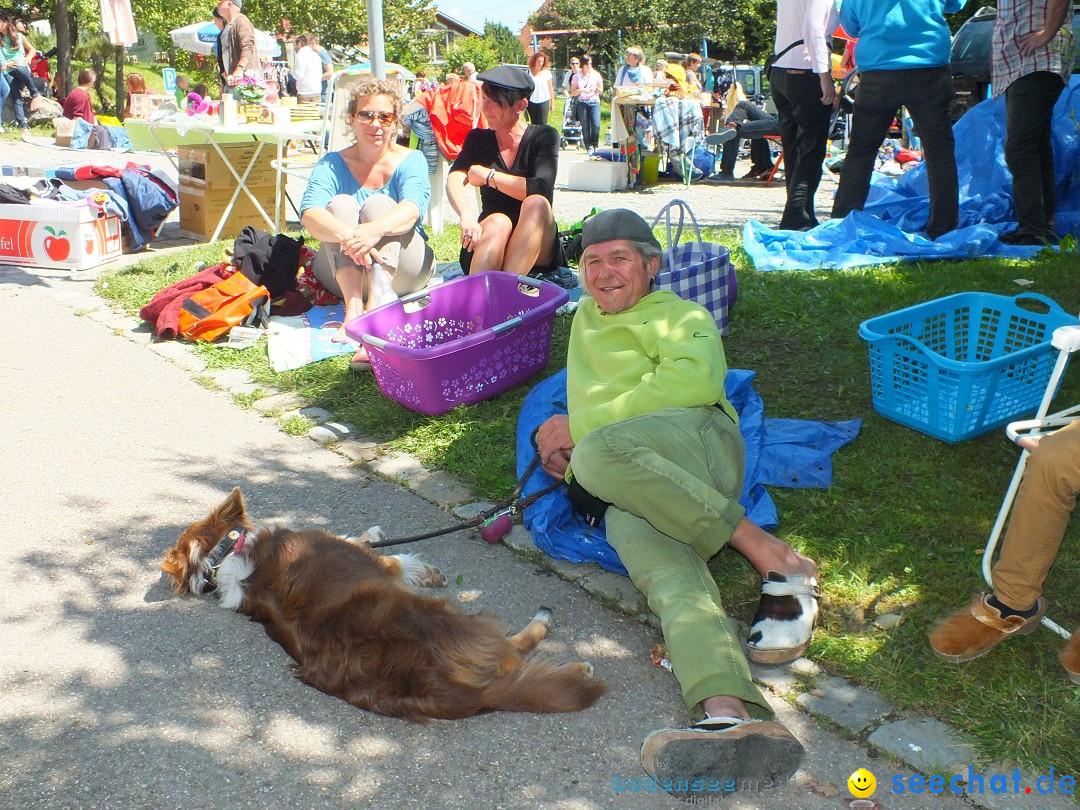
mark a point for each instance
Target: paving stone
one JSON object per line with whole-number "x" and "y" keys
{"x": 358, "y": 450}
{"x": 169, "y": 349}
{"x": 189, "y": 361}
{"x": 467, "y": 511}
{"x": 244, "y": 389}
{"x": 399, "y": 467}
{"x": 103, "y": 315}
{"x": 805, "y": 667}
{"x": 311, "y": 413}
{"x": 278, "y": 402}
{"x": 228, "y": 378}
{"x": 565, "y": 569}
{"x": 443, "y": 489}
{"x": 142, "y": 334}
{"x": 613, "y": 588}
{"x": 128, "y": 322}
{"x": 780, "y": 680}
{"x": 330, "y": 432}
{"x": 925, "y": 744}
{"x": 85, "y": 304}
{"x": 845, "y": 704}
{"x": 520, "y": 539}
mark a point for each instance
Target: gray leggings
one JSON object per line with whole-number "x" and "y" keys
{"x": 407, "y": 256}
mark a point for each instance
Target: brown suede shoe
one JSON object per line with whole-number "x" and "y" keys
{"x": 1070, "y": 657}
{"x": 973, "y": 631}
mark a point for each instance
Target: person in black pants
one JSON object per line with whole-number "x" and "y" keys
{"x": 804, "y": 94}
{"x": 903, "y": 59}
{"x": 1031, "y": 64}
{"x": 804, "y": 128}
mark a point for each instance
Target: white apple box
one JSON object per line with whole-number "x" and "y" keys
{"x": 72, "y": 237}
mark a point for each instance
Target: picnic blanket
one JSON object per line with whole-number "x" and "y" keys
{"x": 779, "y": 452}
{"x": 295, "y": 341}
{"x": 897, "y": 208}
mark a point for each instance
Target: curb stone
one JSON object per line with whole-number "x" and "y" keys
{"x": 922, "y": 743}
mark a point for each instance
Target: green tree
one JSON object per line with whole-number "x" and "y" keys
{"x": 508, "y": 48}
{"x": 471, "y": 49}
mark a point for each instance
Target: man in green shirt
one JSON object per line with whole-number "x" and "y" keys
{"x": 651, "y": 442}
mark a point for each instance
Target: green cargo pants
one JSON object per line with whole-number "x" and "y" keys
{"x": 673, "y": 478}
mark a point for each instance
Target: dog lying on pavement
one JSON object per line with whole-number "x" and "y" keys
{"x": 357, "y": 630}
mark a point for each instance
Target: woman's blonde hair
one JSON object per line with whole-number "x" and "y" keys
{"x": 367, "y": 88}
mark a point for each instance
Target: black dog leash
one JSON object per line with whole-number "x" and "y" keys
{"x": 491, "y": 532}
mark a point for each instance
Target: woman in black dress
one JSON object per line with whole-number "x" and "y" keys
{"x": 514, "y": 166}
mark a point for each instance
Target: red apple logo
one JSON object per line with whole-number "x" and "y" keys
{"x": 57, "y": 246}
{"x": 88, "y": 245}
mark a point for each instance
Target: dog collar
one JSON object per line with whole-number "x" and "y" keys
{"x": 231, "y": 543}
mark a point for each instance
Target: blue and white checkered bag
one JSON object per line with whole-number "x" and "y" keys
{"x": 696, "y": 270}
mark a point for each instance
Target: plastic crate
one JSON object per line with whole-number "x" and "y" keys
{"x": 460, "y": 342}
{"x": 962, "y": 365}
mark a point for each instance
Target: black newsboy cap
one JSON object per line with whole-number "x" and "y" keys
{"x": 511, "y": 78}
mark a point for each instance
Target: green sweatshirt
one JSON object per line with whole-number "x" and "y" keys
{"x": 663, "y": 352}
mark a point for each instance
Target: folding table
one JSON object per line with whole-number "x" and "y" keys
{"x": 167, "y": 133}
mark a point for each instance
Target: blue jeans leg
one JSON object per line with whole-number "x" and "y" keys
{"x": 589, "y": 116}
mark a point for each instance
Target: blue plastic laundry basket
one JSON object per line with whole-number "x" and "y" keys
{"x": 962, "y": 365}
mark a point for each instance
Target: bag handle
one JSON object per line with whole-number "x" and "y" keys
{"x": 683, "y": 208}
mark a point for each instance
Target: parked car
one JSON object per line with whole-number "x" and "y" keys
{"x": 970, "y": 59}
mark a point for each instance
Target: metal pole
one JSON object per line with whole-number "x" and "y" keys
{"x": 376, "y": 49}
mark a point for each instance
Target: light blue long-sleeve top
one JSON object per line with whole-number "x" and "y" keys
{"x": 899, "y": 34}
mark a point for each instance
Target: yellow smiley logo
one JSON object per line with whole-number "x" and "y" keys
{"x": 862, "y": 784}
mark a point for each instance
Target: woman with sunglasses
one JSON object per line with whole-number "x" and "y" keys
{"x": 514, "y": 166}
{"x": 365, "y": 204}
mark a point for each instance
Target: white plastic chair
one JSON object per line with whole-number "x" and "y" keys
{"x": 1066, "y": 340}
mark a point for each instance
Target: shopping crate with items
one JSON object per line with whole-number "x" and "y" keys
{"x": 461, "y": 342}
{"x": 960, "y": 366}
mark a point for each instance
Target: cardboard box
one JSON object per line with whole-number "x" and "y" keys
{"x": 201, "y": 208}
{"x": 71, "y": 237}
{"x": 202, "y": 166}
{"x": 596, "y": 175}
{"x": 65, "y": 128}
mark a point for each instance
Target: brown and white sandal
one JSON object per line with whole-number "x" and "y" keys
{"x": 785, "y": 618}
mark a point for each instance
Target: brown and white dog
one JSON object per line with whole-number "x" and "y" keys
{"x": 358, "y": 630}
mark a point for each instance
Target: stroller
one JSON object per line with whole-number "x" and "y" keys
{"x": 571, "y": 128}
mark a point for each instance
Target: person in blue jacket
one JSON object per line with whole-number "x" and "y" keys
{"x": 903, "y": 59}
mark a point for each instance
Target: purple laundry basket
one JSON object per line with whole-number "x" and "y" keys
{"x": 460, "y": 342}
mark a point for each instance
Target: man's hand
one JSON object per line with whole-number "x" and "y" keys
{"x": 1035, "y": 39}
{"x": 828, "y": 90}
{"x": 554, "y": 445}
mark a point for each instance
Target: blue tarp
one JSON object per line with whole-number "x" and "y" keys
{"x": 897, "y": 208}
{"x": 779, "y": 452}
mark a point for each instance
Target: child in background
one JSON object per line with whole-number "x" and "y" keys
{"x": 136, "y": 85}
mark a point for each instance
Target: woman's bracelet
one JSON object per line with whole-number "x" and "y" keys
{"x": 491, "y": 180}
